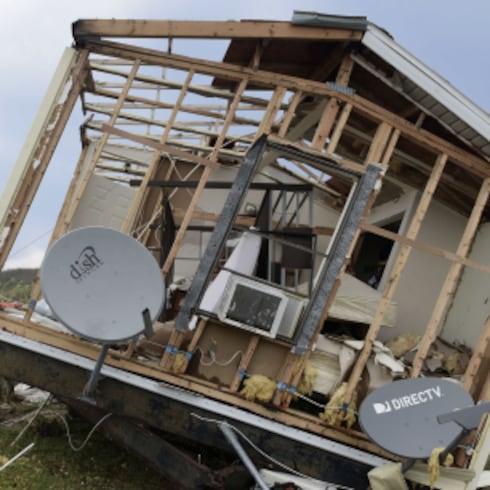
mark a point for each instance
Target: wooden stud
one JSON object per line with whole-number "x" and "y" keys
{"x": 60, "y": 229}
{"x": 43, "y": 153}
{"x": 379, "y": 143}
{"x": 339, "y": 127}
{"x": 156, "y": 145}
{"x": 332, "y": 108}
{"x": 448, "y": 289}
{"x": 139, "y": 199}
{"x": 376, "y": 230}
{"x": 202, "y": 182}
{"x": 271, "y": 111}
{"x": 365, "y": 107}
{"x": 103, "y": 140}
{"x": 392, "y": 283}
{"x": 290, "y": 112}
{"x": 245, "y": 361}
{"x": 482, "y": 348}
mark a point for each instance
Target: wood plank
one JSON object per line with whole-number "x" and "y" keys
{"x": 182, "y": 155}
{"x": 376, "y": 230}
{"x": 339, "y": 128}
{"x": 392, "y": 283}
{"x": 332, "y": 108}
{"x": 448, "y": 290}
{"x": 98, "y": 152}
{"x": 202, "y": 182}
{"x": 246, "y": 29}
{"x": 245, "y": 361}
{"x": 378, "y": 144}
{"x": 196, "y": 337}
{"x": 41, "y": 155}
{"x": 140, "y": 198}
{"x": 367, "y": 108}
{"x": 290, "y": 113}
{"x": 271, "y": 111}
{"x": 60, "y": 228}
{"x": 482, "y": 348}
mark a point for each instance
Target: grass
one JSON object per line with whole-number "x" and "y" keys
{"x": 52, "y": 465}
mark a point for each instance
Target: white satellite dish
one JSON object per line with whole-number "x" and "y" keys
{"x": 99, "y": 281}
{"x": 104, "y": 286}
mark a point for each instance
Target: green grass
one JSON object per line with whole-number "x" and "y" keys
{"x": 52, "y": 464}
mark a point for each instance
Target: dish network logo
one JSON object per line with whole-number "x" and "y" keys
{"x": 406, "y": 401}
{"x": 86, "y": 263}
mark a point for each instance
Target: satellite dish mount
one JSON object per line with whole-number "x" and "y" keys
{"x": 105, "y": 287}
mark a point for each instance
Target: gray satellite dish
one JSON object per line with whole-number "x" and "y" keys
{"x": 403, "y": 417}
{"x": 98, "y": 281}
{"x": 104, "y": 286}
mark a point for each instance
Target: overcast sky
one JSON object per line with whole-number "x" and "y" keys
{"x": 450, "y": 36}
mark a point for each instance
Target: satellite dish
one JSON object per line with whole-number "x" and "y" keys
{"x": 402, "y": 417}
{"x": 99, "y": 281}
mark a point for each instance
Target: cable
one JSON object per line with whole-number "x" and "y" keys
{"x": 213, "y": 360}
{"x": 84, "y": 443}
{"x": 37, "y": 412}
{"x": 264, "y": 454}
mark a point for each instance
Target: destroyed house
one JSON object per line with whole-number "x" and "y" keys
{"x": 317, "y": 201}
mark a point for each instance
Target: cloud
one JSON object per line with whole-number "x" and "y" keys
{"x": 27, "y": 259}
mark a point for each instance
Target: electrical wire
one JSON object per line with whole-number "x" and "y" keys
{"x": 89, "y": 435}
{"x": 214, "y": 361}
{"x": 36, "y": 414}
{"x": 263, "y": 453}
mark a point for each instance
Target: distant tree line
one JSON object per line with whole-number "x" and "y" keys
{"x": 15, "y": 284}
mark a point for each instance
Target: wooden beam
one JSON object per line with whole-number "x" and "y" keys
{"x": 98, "y": 152}
{"x": 39, "y": 155}
{"x": 202, "y": 182}
{"x": 367, "y": 108}
{"x": 139, "y": 200}
{"x": 247, "y": 29}
{"x": 376, "y": 230}
{"x": 332, "y": 108}
{"x": 482, "y": 348}
{"x": 182, "y": 155}
{"x": 390, "y": 288}
{"x": 448, "y": 289}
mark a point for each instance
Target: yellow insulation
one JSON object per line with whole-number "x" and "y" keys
{"x": 258, "y": 387}
{"x": 434, "y": 468}
{"x": 305, "y": 385}
{"x": 179, "y": 361}
{"x": 334, "y": 414}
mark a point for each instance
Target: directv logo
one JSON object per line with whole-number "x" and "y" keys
{"x": 87, "y": 261}
{"x": 406, "y": 401}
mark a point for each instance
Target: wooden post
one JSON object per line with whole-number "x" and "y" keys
{"x": 339, "y": 127}
{"x": 390, "y": 288}
{"x": 176, "y": 341}
{"x": 245, "y": 361}
{"x": 271, "y": 111}
{"x": 448, "y": 289}
{"x": 482, "y": 348}
{"x": 288, "y": 117}
{"x": 332, "y": 108}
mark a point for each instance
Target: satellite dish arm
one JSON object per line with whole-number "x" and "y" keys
{"x": 147, "y": 322}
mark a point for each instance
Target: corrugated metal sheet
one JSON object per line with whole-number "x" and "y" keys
{"x": 329, "y": 21}
{"x": 438, "y": 97}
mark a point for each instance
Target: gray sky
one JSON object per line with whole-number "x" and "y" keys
{"x": 451, "y": 37}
